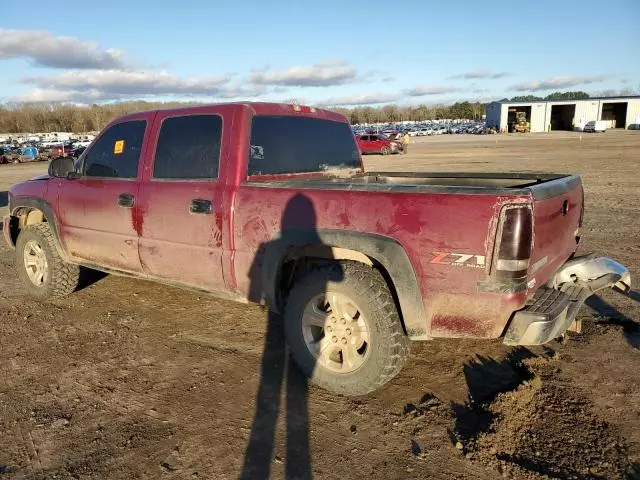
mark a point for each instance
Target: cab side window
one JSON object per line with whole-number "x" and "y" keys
{"x": 189, "y": 148}
{"x": 116, "y": 153}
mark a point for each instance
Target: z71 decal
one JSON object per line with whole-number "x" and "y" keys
{"x": 458, "y": 259}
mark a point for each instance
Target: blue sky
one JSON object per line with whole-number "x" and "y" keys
{"x": 328, "y": 52}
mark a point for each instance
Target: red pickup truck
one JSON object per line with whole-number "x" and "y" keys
{"x": 270, "y": 203}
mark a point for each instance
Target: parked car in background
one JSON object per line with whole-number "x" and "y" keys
{"x": 60, "y": 151}
{"x": 595, "y": 126}
{"x": 29, "y": 153}
{"x": 378, "y": 143}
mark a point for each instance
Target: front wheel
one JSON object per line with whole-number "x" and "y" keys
{"x": 42, "y": 271}
{"x": 343, "y": 329}
{"x": 385, "y": 150}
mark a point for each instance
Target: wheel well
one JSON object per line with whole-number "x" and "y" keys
{"x": 299, "y": 260}
{"x": 22, "y": 217}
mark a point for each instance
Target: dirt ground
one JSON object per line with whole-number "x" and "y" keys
{"x": 129, "y": 379}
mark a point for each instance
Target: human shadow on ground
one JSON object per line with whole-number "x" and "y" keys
{"x": 277, "y": 369}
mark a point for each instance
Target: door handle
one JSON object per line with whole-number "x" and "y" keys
{"x": 199, "y": 205}
{"x": 126, "y": 200}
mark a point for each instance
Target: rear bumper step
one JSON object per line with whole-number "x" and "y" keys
{"x": 554, "y": 307}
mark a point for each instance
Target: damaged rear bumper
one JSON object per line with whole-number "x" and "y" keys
{"x": 555, "y": 306}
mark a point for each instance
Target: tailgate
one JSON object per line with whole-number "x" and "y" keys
{"x": 557, "y": 214}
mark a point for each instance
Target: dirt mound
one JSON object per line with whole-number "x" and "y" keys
{"x": 541, "y": 429}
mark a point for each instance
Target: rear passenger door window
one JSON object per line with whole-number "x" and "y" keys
{"x": 116, "y": 153}
{"x": 188, "y": 148}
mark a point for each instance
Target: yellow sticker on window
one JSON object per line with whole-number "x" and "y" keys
{"x": 118, "y": 147}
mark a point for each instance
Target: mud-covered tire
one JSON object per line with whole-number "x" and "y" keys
{"x": 389, "y": 345}
{"x": 61, "y": 278}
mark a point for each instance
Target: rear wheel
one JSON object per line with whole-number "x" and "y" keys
{"x": 343, "y": 329}
{"x": 42, "y": 271}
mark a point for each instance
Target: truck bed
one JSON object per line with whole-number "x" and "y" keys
{"x": 541, "y": 185}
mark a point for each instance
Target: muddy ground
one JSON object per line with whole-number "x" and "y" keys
{"x": 128, "y": 379}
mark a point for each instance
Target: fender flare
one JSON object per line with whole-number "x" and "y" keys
{"x": 383, "y": 250}
{"x": 22, "y": 201}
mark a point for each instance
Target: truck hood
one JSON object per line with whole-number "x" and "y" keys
{"x": 39, "y": 177}
{"x": 35, "y": 187}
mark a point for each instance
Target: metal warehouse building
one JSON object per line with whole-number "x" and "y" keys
{"x": 545, "y": 115}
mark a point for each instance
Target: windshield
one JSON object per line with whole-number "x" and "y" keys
{"x": 288, "y": 144}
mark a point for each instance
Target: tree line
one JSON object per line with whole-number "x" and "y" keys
{"x": 57, "y": 117}
{"x": 31, "y": 118}
{"x": 552, "y": 96}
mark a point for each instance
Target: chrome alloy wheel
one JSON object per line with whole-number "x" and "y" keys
{"x": 335, "y": 332}
{"x": 35, "y": 263}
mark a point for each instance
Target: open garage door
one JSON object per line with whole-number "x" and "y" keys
{"x": 615, "y": 113}
{"x": 519, "y": 118}
{"x": 562, "y": 116}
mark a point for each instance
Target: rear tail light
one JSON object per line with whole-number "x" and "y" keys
{"x": 515, "y": 236}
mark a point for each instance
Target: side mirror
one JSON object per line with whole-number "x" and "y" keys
{"x": 61, "y": 167}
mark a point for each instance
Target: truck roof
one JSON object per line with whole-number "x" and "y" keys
{"x": 257, "y": 108}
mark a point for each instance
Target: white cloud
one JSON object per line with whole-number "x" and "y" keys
{"x": 354, "y": 100}
{"x": 557, "y": 82}
{"x": 46, "y": 50}
{"x": 323, "y": 74}
{"x": 333, "y": 63}
{"x": 425, "y": 90}
{"x": 66, "y": 96}
{"x": 475, "y": 74}
{"x": 103, "y": 85}
{"x": 129, "y": 82}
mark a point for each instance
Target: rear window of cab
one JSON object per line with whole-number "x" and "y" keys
{"x": 289, "y": 144}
